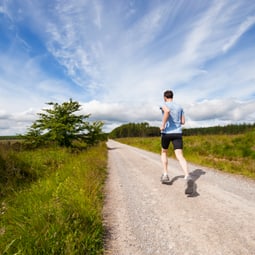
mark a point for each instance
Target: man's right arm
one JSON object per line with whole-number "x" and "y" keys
{"x": 165, "y": 117}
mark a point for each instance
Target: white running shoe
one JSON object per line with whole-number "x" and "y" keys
{"x": 164, "y": 178}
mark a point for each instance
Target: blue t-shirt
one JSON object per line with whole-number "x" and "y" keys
{"x": 173, "y": 124}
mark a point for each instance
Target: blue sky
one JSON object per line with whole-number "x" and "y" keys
{"x": 117, "y": 57}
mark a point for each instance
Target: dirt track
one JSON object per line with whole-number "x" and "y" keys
{"x": 145, "y": 217}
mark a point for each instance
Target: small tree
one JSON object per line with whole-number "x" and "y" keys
{"x": 62, "y": 126}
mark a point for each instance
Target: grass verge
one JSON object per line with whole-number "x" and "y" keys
{"x": 59, "y": 210}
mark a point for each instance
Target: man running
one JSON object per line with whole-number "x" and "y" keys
{"x": 171, "y": 131}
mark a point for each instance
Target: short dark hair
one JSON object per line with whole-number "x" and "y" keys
{"x": 168, "y": 94}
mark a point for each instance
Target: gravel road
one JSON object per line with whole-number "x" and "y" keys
{"x": 143, "y": 216}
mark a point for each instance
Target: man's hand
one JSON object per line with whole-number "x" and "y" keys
{"x": 162, "y": 128}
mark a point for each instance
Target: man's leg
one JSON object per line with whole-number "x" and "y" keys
{"x": 164, "y": 160}
{"x": 189, "y": 181}
{"x": 164, "y": 177}
{"x": 164, "y": 149}
{"x": 182, "y": 161}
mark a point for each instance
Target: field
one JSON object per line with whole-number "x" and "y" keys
{"x": 228, "y": 153}
{"x": 51, "y": 200}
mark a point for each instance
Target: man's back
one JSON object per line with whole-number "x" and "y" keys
{"x": 173, "y": 124}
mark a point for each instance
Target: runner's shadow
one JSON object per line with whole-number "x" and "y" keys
{"x": 171, "y": 182}
{"x": 195, "y": 176}
{"x": 197, "y": 173}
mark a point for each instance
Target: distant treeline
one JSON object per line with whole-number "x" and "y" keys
{"x": 144, "y": 130}
{"x": 10, "y": 137}
{"x": 217, "y": 130}
{"x": 135, "y": 130}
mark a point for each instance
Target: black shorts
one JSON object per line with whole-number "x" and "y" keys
{"x": 176, "y": 139}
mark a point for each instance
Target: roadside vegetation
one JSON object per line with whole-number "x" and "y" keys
{"x": 51, "y": 200}
{"x": 232, "y": 153}
{"x": 51, "y": 185}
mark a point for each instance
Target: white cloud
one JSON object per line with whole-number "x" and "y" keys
{"x": 201, "y": 31}
{"x": 4, "y": 114}
{"x": 205, "y": 113}
{"x": 117, "y": 58}
{"x": 120, "y": 111}
{"x": 2, "y": 9}
{"x": 98, "y": 10}
{"x": 249, "y": 22}
{"x": 222, "y": 109}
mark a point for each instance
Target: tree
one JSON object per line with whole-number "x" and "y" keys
{"x": 61, "y": 125}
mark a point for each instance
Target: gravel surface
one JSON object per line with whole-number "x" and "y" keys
{"x": 143, "y": 216}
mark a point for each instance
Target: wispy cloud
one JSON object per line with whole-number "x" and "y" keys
{"x": 117, "y": 58}
{"x": 244, "y": 26}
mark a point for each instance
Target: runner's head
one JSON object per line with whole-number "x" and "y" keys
{"x": 168, "y": 94}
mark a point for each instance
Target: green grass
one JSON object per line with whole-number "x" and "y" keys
{"x": 52, "y": 203}
{"x": 228, "y": 153}
{"x": 51, "y": 199}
